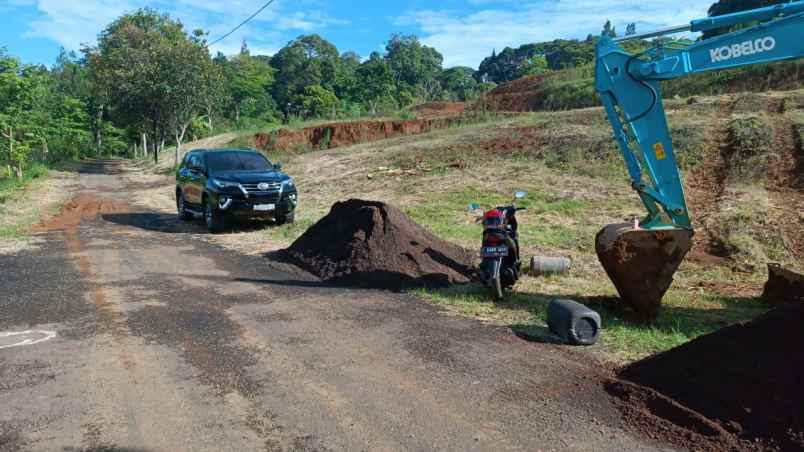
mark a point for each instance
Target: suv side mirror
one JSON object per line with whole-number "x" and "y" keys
{"x": 277, "y": 166}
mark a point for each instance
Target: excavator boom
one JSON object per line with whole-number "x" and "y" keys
{"x": 642, "y": 260}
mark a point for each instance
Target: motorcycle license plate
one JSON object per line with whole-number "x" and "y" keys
{"x": 494, "y": 251}
{"x": 264, "y": 207}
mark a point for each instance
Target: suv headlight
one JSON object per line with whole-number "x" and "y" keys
{"x": 288, "y": 184}
{"x": 224, "y": 184}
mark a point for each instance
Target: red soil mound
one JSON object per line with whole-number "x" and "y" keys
{"x": 746, "y": 377}
{"x": 373, "y": 244}
{"x": 348, "y": 133}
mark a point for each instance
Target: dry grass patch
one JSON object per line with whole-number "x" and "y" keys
{"x": 30, "y": 204}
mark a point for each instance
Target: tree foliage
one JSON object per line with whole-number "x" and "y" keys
{"x": 149, "y": 80}
{"x": 307, "y": 61}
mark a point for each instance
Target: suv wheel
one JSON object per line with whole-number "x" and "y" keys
{"x": 286, "y": 219}
{"x": 181, "y": 208}
{"x": 213, "y": 220}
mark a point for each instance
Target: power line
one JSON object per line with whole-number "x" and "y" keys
{"x": 241, "y": 24}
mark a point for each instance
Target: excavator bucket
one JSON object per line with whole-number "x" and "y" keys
{"x": 641, "y": 263}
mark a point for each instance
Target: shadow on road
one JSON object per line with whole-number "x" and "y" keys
{"x": 292, "y": 283}
{"x": 158, "y": 222}
{"x": 170, "y": 223}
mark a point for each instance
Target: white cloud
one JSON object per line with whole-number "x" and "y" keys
{"x": 77, "y": 22}
{"x": 465, "y": 39}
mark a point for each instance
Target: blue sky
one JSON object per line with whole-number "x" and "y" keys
{"x": 464, "y": 31}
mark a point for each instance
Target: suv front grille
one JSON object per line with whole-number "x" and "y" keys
{"x": 253, "y": 189}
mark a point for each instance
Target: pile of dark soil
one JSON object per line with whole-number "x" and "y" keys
{"x": 373, "y": 244}
{"x": 747, "y": 377}
{"x": 783, "y": 286}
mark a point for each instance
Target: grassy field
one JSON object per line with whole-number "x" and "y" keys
{"x": 576, "y": 183}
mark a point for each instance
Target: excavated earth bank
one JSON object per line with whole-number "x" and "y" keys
{"x": 339, "y": 134}
{"x": 374, "y": 244}
{"x": 747, "y": 378}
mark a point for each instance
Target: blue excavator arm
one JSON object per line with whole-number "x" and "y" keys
{"x": 629, "y": 88}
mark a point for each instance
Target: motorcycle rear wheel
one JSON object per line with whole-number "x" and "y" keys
{"x": 496, "y": 288}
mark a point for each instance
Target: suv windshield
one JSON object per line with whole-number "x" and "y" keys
{"x": 237, "y": 161}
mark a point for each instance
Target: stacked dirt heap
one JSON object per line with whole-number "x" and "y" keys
{"x": 373, "y": 244}
{"x": 747, "y": 377}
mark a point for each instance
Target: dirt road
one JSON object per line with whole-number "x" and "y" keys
{"x": 164, "y": 342}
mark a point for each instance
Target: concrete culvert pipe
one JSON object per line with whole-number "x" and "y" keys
{"x": 540, "y": 265}
{"x": 573, "y": 322}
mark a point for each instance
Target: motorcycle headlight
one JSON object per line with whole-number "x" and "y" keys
{"x": 223, "y": 183}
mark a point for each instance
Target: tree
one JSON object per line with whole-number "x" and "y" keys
{"x": 216, "y": 94}
{"x": 187, "y": 62}
{"x": 346, "y": 77}
{"x": 416, "y": 67}
{"x": 306, "y": 61}
{"x": 15, "y": 100}
{"x": 630, "y": 29}
{"x": 143, "y": 65}
{"x": 460, "y": 82}
{"x": 608, "y": 30}
{"x": 375, "y": 82}
{"x": 317, "y": 101}
{"x": 250, "y": 82}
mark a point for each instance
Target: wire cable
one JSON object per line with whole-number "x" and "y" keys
{"x": 240, "y": 25}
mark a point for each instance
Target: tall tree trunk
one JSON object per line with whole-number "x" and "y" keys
{"x": 44, "y": 150}
{"x": 155, "y": 138}
{"x": 180, "y": 131}
{"x": 99, "y": 131}
{"x": 15, "y": 165}
{"x": 144, "y": 145}
{"x": 209, "y": 118}
{"x": 237, "y": 112}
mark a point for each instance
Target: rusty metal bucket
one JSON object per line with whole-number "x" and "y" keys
{"x": 641, "y": 263}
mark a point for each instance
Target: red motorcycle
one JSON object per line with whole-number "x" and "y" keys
{"x": 500, "y": 264}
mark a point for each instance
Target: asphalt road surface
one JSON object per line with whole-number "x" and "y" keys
{"x": 125, "y": 331}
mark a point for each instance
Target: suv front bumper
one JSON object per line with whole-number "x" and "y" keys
{"x": 238, "y": 205}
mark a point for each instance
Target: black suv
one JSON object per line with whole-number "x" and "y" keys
{"x": 233, "y": 183}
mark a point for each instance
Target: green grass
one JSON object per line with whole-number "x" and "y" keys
{"x": 447, "y": 215}
{"x": 10, "y": 185}
{"x": 683, "y": 317}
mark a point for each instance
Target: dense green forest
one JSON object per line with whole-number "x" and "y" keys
{"x": 148, "y": 82}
